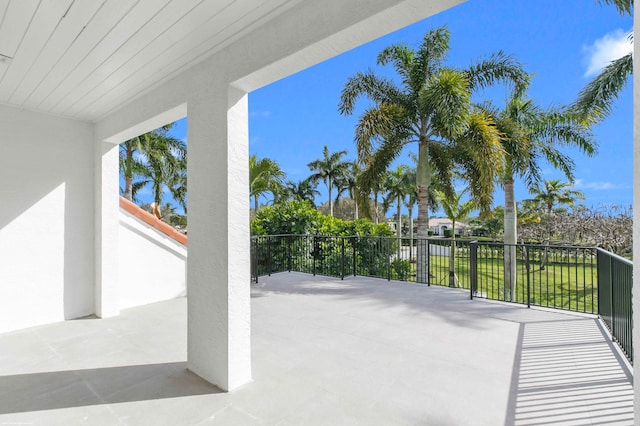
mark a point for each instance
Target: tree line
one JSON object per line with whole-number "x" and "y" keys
{"x": 432, "y": 105}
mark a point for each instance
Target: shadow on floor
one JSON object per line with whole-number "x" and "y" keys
{"x": 568, "y": 373}
{"x": 64, "y": 389}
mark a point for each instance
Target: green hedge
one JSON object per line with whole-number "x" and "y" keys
{"x": 301, "y": 218}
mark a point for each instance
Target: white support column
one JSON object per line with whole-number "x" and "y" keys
{"x": 636, "y": 219}
{"x": 106, "y": 229}
{"x": 218, "y": 276}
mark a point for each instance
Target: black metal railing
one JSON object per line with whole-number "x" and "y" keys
{"x": 615, "y": 283}
{"x": 581, "y": 279}
{"x": 561, "y": 277}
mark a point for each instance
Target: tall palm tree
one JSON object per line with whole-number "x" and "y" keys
{"x": 265, "y": 176}
{"x": 411, "y": 193}
{"x": 531, "y": 134}
{"x": 456, "y": 210}
{"x": 395, "y": 184}
{"x": 154, "y": 157}
{"x": 431, "y": 106}
{"x": 595, "y": 101}
{"x": 556, "y": 193}
{"x": 157, "y": 159}
{"x": 376, "y": 190}
{"x": 433, "y": 200}
{"x": 329, "y": 169}
{"x": 348, "y": 183}
{"x": 303, "y": 190}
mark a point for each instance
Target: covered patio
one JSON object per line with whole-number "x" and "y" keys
{"x": 325, "y": 351}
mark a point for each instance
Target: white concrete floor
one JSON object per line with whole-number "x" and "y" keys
{"x": 325, "y": 351}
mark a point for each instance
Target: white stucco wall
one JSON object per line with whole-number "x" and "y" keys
{"x": 152, "y": 266}
{"x": 636, "y": 214}
{"x": 46, "y": 219}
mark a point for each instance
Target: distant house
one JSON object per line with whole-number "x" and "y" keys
{"x": 437, "y": 226}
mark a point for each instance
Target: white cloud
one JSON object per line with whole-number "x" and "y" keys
{"x": 600, "y": 186}
{"x": 260, "y": 114}
{"x": 608, "y": 48}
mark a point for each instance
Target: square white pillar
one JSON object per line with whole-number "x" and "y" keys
{"x": 106, "y": 229}
{"x": 218, "y": 275}
{"x": 636, "y": 219}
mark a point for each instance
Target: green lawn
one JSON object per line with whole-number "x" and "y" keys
{"x": 563, "y": 278}
{"x": 567, "y": 284}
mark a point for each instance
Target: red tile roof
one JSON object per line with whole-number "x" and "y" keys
{"x": 153, "y": 221}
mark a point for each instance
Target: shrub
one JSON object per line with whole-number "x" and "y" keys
{"x": 400, "y": 269}
{"x": 298, "y": 217}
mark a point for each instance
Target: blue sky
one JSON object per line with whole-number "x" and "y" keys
{"x": 563, "y": 43}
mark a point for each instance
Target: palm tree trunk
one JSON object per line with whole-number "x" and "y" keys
{"x": 423, "y": 180}
{"x": 128, "y": 188}
{"x": 453, "y": 280}
{"x": 410, "y": 233}
{"x": 510, "y": 239}
{"x": 128, "y": 173}
{"x": 330, "y": 200}
{"x": 375, "y": 206}
{"x": 399, "y": 227}
{"x": 255, "y": 204}
{"x": 422, "y": 253}
{"x": 355, "y": 205}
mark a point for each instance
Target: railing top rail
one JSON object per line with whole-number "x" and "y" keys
{"x": 529, "y": 245}
{"x": 462, "y": 241}
{"x": 615, "y": 256}
{"x": 253, "y": 237}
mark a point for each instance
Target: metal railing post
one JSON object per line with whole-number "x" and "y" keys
{"x": 389, "y": 258}
{"x": 315, "y": 254}
{"x": 257, "y": 265}
{"x": 342, "y": 260}
{"x": 355, "y": 257}
{"x": 610, "y": 278}
{"x": 289, "y": 238}
{"x": 473, "y": 268}
{"x": 528, "y": 269}
{"x": 269, "y": 256}
{"x": 428, "y": 254}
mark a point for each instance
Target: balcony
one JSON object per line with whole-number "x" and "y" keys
{"x": 327, "y": 351}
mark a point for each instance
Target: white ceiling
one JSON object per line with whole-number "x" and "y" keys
{"x": 82, "y": 58}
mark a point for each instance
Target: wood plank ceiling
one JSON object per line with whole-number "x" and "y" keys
{"x": 84, "y": 58}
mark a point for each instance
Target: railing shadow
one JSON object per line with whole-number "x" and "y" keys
{"x": 568, "y": 372}
{"x": 65, "y": 389}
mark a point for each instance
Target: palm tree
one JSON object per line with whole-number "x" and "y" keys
{"x": 395, "y": 184}
{"x": 265, "y": 176}
{"x": 156, "y": 159}
{"x": 328, "y": 169}
{"x": 531, "y": 134}
{"x": 432, "y": 192}
{"x": 348, "y": 183}
{"x": 430, "y": 106}
{"x": 595, "y": 101}
{"x": 455, "y": 211}
{"x": 376, "y": 190}
{"x": 411, "y": 192}
{"x": 555, "y": 193}
{"x": 303, "y": 190}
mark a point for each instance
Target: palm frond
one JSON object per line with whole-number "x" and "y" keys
{"x": 446, "y": 100}
{"x": 377, "y": 89}
{"x": 429, "y": 57}
{"x": 401, "y": 57}
{"x": 595, "y": 101}
{"x": 499, "y": 67}
{"x": 625, "y": 7}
